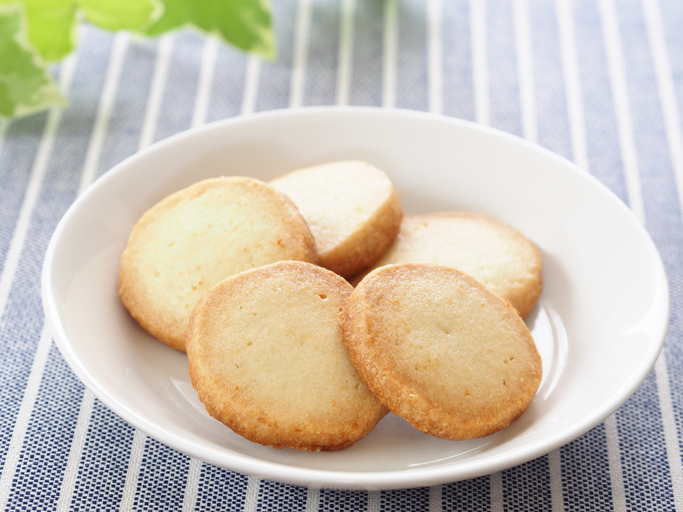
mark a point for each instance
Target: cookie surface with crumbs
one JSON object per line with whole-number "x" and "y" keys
{"x": 198, "y": 236}
{"x": 441, "y": 350}
{"x": 266, "y": 358}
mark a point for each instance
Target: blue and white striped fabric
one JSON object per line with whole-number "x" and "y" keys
{"x": 597, "y": 81}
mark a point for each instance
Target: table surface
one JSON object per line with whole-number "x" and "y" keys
{"x": 599, "y": 82}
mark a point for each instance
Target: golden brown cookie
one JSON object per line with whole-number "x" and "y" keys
{"x": 441, "y": 350}
{"x": 492, "y": 252}
{"x": 267, "y": 359}
{"x": 352, "y": 208}
{"x": 198, "y": 236}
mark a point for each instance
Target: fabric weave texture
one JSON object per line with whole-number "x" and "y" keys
{"x": 599, "y": 82}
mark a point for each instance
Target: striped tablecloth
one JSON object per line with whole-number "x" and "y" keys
{"x": 598, "y": 81}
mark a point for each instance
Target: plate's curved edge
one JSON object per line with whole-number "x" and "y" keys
{"x": 338, "y": 479}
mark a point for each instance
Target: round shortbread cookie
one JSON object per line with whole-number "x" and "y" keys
{"x": 352, "y": 208}
{"x": 492, "y": 252}
{"x": 267, "y": 359}
{"x": 441, "y": 350}
{"x": 198, "y": 236}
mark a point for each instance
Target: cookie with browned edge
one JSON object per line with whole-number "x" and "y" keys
{"x": 441, "y": 350}
{"x": 492, "y": 252}
{"x": 352, "y": 208}
{"x": 198, "y": 236}
{"x": 267, "y": 359}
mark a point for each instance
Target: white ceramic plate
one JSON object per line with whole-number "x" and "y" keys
{"x": 599, "y": 326}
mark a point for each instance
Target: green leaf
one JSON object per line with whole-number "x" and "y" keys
{"x": 121, "y": 14}
{"x": 245, "y": 24}
{"x": 25, "y": 84}
{"x": 36, "y": 32}
{"x": 53, "y": 24}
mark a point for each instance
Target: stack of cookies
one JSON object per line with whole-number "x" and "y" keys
{"x": 310, "y": 307}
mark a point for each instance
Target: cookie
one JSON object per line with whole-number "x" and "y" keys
{"x": 441, "y": 350}
{"x": 352, "y": 208}
{"x": 198, "y": 236}
{"x": 266, "y": 358}
{"x": 492, "y": 252}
